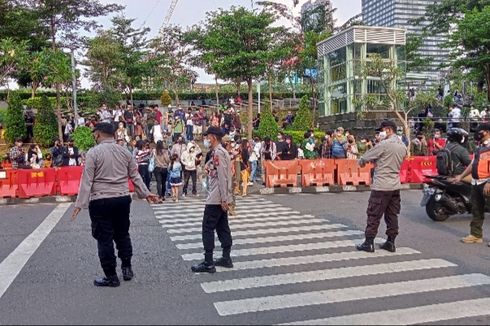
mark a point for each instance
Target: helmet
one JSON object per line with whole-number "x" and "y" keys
{"x": 457, "y": 135}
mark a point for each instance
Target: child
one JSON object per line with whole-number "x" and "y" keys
{"x": 48, "y": 161}
{"x": 175, "y": 172}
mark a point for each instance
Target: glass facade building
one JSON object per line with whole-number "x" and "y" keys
{"x": 399, "y": 14}
{"x": 341, "y": 58}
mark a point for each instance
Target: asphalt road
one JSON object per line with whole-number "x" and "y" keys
{"x": 294, "y": 261}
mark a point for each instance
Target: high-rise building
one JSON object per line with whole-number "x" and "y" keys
{"x": 399, "y": 14}
{"x": 311, "y": 17}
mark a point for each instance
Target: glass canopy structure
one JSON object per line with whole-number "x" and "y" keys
{"x": 341, "y": 58}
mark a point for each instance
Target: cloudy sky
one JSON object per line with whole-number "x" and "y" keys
{"x": 151, "y": 13}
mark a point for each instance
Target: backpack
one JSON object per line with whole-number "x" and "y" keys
{"x": 444, "y": 162}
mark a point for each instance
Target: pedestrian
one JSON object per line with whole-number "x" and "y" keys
{"x": 254, "y": 160}
{"x": 244, "y": 165}
{"x": 385, "y": 190}
{"x": 480, "y": 189}
{"x": 219, "y": 198}
{"x": 104, "y": 191}
{"x": 175, "y": 172}
{"x": 188, "y": 160}
{"x": 268, "y": 153}
{"x": 142, "y": 156}
{"x": 162, "y": 162}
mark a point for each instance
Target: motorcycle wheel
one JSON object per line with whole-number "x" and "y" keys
{"x": 436, "y": 211}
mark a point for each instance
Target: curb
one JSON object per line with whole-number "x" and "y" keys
{"x": 329, "y": 189}
{"x": 37, "y": 200}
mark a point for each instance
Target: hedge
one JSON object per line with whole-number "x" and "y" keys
{"x": 299, "y": 136}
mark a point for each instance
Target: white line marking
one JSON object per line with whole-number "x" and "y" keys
{"x": 410, "y": 316}
{"x": 253, "y": 225}
{"x": 13, "y": 264}
{"x": 313, "y": 259}
{"x": 302, "y": 236}
{"x": 265, "y": 231}
{"x": 164, "y": 218}
{"x": 199, "y": 213}
{"x": 233, "y": 222}
{"x": 323, "y": 275}
{"x": 268, "y": 207}
{"x": 234, "y": 307}
{"x": 282, "y": 249}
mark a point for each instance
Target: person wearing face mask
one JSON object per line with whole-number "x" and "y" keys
{"x": 190, "y": 170}
{"x": 480, "y": 189}
{"x": 104, "y": 192}
{"x": 436, "y": 143}
{"x": 338, "y": 144}
{"x": 179, "y": 148}
{"x": 460, "y": 157}
{"x": 215, "y": 218}
{"x": 290, "y": 150}
{"x": 418, "y": 146}
{"x": 385, "y": 199}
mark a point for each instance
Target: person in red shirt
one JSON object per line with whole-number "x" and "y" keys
{"x": 436, "y": 143}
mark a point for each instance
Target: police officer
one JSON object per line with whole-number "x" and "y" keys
{"x": 385, "y": 200}
{"x": 104, "y": 191}
{"x": 218, "y": 202}
{"x": 480, "y": 188}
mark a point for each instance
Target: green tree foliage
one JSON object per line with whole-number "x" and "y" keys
{"x": 471, "y": 42}
{"x": 234, "y": 45}
{"x": 13, "y": 55}
{"x": 303, "y": 120}
{"x": 268, "y": 126}
{"x": 83, "y": 138}
{"x": 14, "y": 120}
{"x": 45, "y": 128}
{"x": 166, "y": 99}
{"x": 415, "y": 62}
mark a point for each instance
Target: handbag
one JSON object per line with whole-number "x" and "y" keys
{"x": 151, "y": 164}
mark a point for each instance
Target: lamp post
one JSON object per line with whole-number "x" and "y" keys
{"x": 74, "y": 85}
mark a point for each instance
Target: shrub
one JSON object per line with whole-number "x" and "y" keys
{"x": 303, "y": 119}
{"x": 15, "y": 125}
{"x": 83, "y": 139}
{"x": 298, "y": 136}
{"x": 46, "y": 126}
{"x": 166, "y": 99}
{"x": 268, "y": 126}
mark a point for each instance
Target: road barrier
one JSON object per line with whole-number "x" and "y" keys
{"x": 317, "y": 172}
{"x": 8, "y": 183}
{"x": 69, "y": 180}
{"x": 36, "y": 183}
{"x": 282, "y": 173}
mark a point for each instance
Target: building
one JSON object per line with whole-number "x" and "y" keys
{"x": 400, "y": 14}
{"x": 340, "y": 78}
{"x": 318, "y": 20}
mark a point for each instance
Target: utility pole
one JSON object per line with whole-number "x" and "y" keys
{"x": 74, "y": 85}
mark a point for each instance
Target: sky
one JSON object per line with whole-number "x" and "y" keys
{"x": 151, "y": 13}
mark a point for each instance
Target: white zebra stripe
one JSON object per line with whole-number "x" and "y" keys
{"x": 268, "y": 207}
{"x": 267, "y": 303}
{"x": 176, "y": 223}
{"x": 283, "y": 249}
{"x": 303, "y": 236}
{"x": 166, "y": 218}
{"x": 323, "y": 275}
{"x": 279, "y": 230}
{"x": 313, "y": 259}
{"x": 410, "y": 316}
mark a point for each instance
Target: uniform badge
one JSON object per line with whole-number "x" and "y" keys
{"x": 216, "y": 160}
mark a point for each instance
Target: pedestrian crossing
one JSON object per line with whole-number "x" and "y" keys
{"x": 297, "y": 269}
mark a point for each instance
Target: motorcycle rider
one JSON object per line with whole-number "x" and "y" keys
{"x": 480, "y": 189}
{"x": 460, "y": 156}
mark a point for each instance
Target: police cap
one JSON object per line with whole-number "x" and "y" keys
{"x": 105, "y": 128}
{"x": 214, "y": 131}
{"x": 387, "y": 124}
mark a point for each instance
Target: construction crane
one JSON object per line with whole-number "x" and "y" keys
{"x": 170, "y": 12}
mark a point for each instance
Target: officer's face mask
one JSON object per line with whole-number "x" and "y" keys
{"x": 382, "y": 135}
{"x": 207, "y": 143}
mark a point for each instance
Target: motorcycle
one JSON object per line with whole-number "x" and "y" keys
{"x": 443, "y": 198}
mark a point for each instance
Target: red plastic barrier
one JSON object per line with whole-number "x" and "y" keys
{"x": 131, "y": 185}
{"x": 36, "y": 183}
{"x": 69, "y": 180}
{"x": 420, "y": 166}
{"x": 8, "y": 184}
{"x": 281, "y": 173}
{"x": 405, "y": 171}
{"x": 317, "y": 172}
{"x": 350, "y": 173}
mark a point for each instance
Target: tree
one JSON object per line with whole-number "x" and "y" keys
{"x": 234, "y": 44}
{"x": 415, "y": 61}
{"x": 15, "y": 126}
{"x": 318, "y": 18}
{"x": 471, "y": 43}
{"x": 166, "y": 99}
{"x": 13, "y": 55}
{"x": 303, "y": 120}
{"x": 268, "y": 126}
{"x": 83, "y": 138}
{"x": 45, "y": 128}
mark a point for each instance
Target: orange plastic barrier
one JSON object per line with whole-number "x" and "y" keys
{"x": 69, "y": 180}
{"x": 317, "y": 172}
{"x": 420, "y": 166}
{"x": 36, "y": 183}
{"x": 281, "y": 173}
{"x": 350, "y": 173}
{"x": 8, "y": 184}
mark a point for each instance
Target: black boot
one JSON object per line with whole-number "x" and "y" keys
{"x": 204, "y": 267}
{"x": 108, "y": 281}
{"x": 127, "y": 273}
{"x": 389, "y": 245}
{"x": 224, "y": 262}
{"x": 367, "y": 245}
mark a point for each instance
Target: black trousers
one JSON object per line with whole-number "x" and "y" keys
{"x": 387, "y": 203}
{"x": 161, "y": 177}
{"x": 110, "y": 223}
{"x": 145, "y": 174}
{"x": 187, "y": 176}
{"x": 215, "y": 218}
